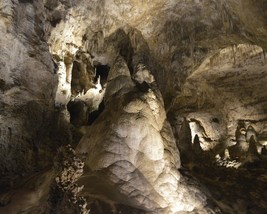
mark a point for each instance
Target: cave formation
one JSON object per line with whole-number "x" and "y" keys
{"x": 128, "y": 106}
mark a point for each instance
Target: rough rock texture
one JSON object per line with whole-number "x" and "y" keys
{"x": 134, "y": 122}
{"x": 26, "y": 92}
{"x": 207, "y": 60}
{"x": 223, "y": 92}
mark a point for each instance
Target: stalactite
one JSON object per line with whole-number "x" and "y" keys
{"x": 46, "y": 30}
{"x": 234, "y": 53}
{"x": 69, "y": 72}
{"x": 96, "y": 44}
{"x": 192, "y": 45}
{"x": 226, "y": 19}
{"x": 133, "y": 37}
{"x": 100, "y": 41}
{"x": 252, "y": 154}
{"x": 264, "y": 56}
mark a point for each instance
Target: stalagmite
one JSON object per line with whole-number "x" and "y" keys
{"x": 144, "y": 157}
{"x": 252, "y": 154}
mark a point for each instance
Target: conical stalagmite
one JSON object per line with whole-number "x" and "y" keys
{"x": 252, "y": 154}
{"x": 264, "y": 151}
{"x": 239, "y": 150}
{"x": 196, "y": 146}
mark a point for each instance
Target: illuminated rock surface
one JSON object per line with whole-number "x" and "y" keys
{"x": 164, "y": 102}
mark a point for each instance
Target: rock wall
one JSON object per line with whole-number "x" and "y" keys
{"x": 27, "y": 91}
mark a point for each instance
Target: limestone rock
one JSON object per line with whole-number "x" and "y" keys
{"x": 204, "y": 59}
{"x": 143, "y": 162}
{"x": 27, "y": 92}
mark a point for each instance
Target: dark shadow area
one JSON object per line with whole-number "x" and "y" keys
{"x": 75, "y": 86}
{"x": 246, "y": 185}
{"x": 122, "y": 43}
{"x": 100, "y": 207}
{"x": 240, "y": 185}
{"x": 95, "y": 114}
{"x": 215, "y": 120}
{"x": 102, "y": 72}
{"x": 185, "y": 144}
{"x": 144, "y": 87}
{"x": 78, "y": 112}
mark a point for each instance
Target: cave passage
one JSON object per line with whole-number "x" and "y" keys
{"x": 85, "y": 89}
{"x": 102, "y": 72}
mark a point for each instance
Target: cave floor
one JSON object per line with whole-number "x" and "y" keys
{"x": 241, "y": 190}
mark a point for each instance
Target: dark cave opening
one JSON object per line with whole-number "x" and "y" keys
{"x": 215, "y": 120}
{"x": 102, "y": 72}
{"x": 78, "y": 112}
{"x": 75, "y": 86}
{"x": 83, "y": 79}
